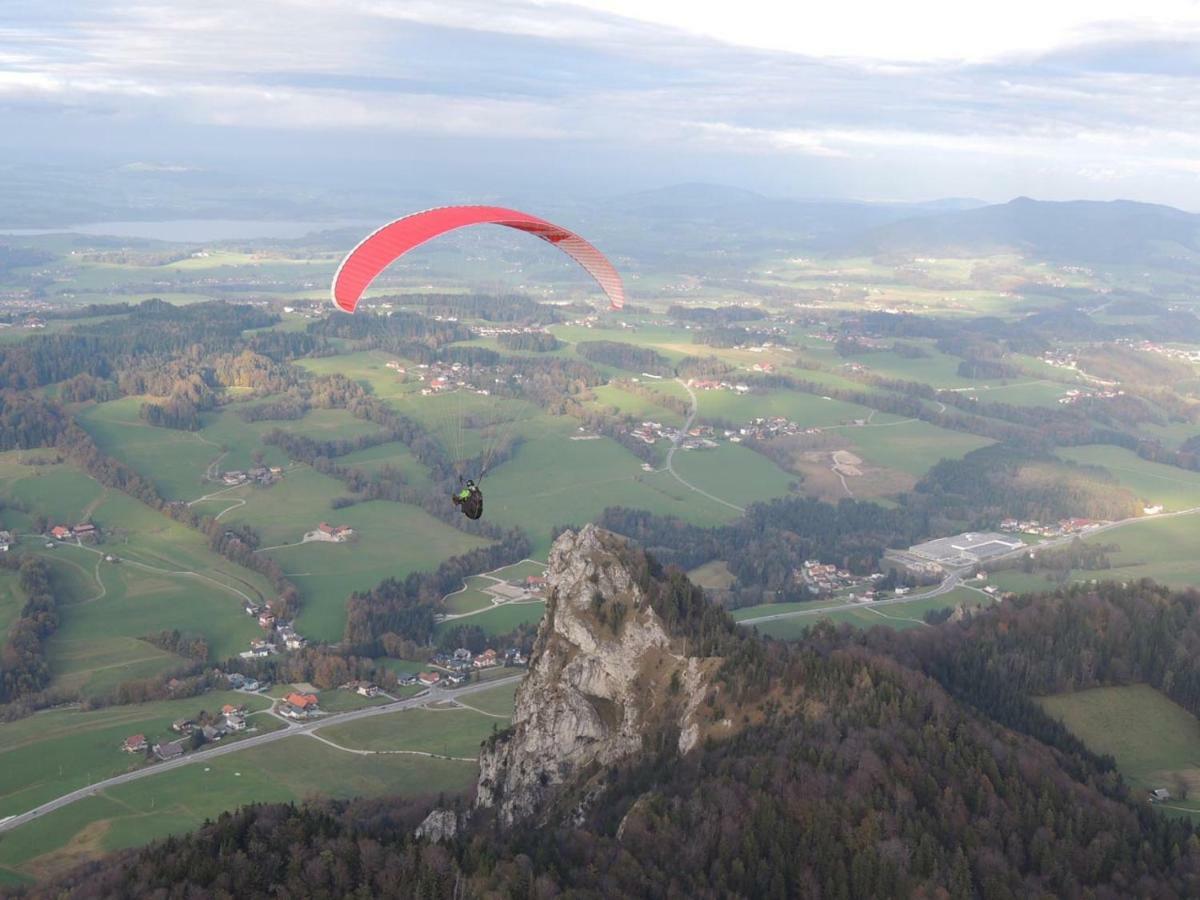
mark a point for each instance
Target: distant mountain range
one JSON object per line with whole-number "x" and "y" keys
{"x": 1118, "y": 231}
{"x": 1080, "y": 231}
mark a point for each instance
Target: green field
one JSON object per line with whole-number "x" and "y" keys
{"x": 898, "y": 615}
{"x": 1162, "y": 549}
{"x": 452, "y": 731}
{"x": 294, "y": 769}
{"x": 1153, "y": 482}
{"x": 1155, "y": 742}
{"x": 391, "y": 540}
{"x": 58, "y": 751}
{"x": 176, "y": 461}
{"x": 167, "y": 579}
{"x": 500, "y": 620}
{"x": 910, "y": 446}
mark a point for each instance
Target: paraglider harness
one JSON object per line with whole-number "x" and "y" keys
{"x": 469, "y": 500}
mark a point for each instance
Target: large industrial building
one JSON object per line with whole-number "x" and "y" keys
{"x": 966, "y": 549}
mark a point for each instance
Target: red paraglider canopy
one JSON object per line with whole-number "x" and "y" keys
{"x": 395, "y": 239}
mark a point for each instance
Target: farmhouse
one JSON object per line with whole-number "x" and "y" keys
{"x": 84, "y": 531}
{"x": 60, "y": 532}
{"x": 266, "y": 620}
{"x": 135, "y": 743}
{"x": 429, "y": 678}
{"x": 1160, "y": 795}
{"x": 327, "y": 532}
{"x": 307, "y": 702}
{"x": 169, "y": 751}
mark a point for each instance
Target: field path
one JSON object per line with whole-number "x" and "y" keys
{"x": 244, "y": 744}
{"x": 141, "y": 565}
{"x": 328, "y": 742}
{"x": 675, "y": 446}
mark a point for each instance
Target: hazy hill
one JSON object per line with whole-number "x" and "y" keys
{"x": 1084, "y": 231}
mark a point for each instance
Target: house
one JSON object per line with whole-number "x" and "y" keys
{"x": 60, "y": 532}
{"x": 135, "y": 743}
{"x": 235, "y": 679}
{"x": 457, "y": 677}
{"x": 429, "y": 678}
{"x": 230, "y": 710}
{"x": 334, "y": 532}
{"x": 6, "y": 541}
{"x": 183, "y": 726}
{"x": 409, "y": 680}
{"x": 1160, "y": 795}
{"x": 251, "y": 684}
{"x": 252, "y": 610}
{"x": 367, "y": 689}
{"x": 169, "y": 751}
{"x": 86, "y": 530}
{"x": 234, "y": 722}
{"x": 486, "y": 659}
{"x": 514, "y": 657}
{"x": 535, "y": 581}
{"x": 306, "y": 702}
{"x": 462, "y": 654}
{"x": 1152, "y": 510}
{"x": 212, "y": 733}
{"x": 266, "y": 620}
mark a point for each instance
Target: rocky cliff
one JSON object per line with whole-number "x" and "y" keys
{"x": 605, "y": 678}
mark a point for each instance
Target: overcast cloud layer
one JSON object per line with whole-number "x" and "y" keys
{"x": 870, "y": 100}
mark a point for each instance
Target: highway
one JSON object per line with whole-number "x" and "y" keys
{"x": 955, "y": 578}
{"x": 223, "y": 749}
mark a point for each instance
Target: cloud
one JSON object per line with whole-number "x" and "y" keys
{"x": 1099, "y": 94}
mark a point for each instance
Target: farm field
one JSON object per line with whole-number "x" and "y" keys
{"x": 555, "y": 480}
{"x": 715, "y": 575}
{"x": 294, "y": 769}
{"x": 1155, "y": 742}
{"x": 734, "y": 473}
{"x": 391, "y": 540}
{"x": 444, "y": 731}
{"x": 167, "y": 577}
{"x": 175, "y": 461}
{"x": 898, "y": 615}
{"x": 500, "y": 620}
{"x": 58, "y": 751}
{"x": 1174, "y": 488}
{"x": 1162, "y": 549}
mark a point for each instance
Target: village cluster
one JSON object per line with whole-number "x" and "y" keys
{"x": 824, "y": 579}
{"x": 277, "y": 633}
{"x": 456, "y": 668}
{"x": 204, "y": 728}
{"x": 439, "y": 378}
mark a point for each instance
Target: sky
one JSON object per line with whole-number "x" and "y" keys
{"x": 865, "y": 100}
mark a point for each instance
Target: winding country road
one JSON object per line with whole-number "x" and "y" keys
{"x": 675, "y": 446}
{"x": 259, "y": 740}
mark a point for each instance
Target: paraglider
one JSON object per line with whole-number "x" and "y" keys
{"x": 380, "y": 248}
{"x": 470, "y": 500}
{"x": 387, "y": 244}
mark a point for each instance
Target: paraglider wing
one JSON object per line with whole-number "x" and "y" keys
{"x": 395, "y": 239}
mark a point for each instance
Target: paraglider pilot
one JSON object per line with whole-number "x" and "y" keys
{"x": 469, "y": 500}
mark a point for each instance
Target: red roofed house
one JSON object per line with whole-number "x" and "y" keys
{"x": 60, "y": 532}
{"x": 429, "y": 678}
{"x": 337, "y": 532}
{"x": 135, "y": 743}
{"x": 302, "y": 701}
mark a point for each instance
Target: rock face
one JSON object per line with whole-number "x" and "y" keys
{"x": 604, "y": 673}
{"x": 439, "y": 825}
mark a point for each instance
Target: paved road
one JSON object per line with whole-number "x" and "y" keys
{"x": 675, "y": 446}
{"x": 246, "y": 743}
{"x": 954, "y": 579}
